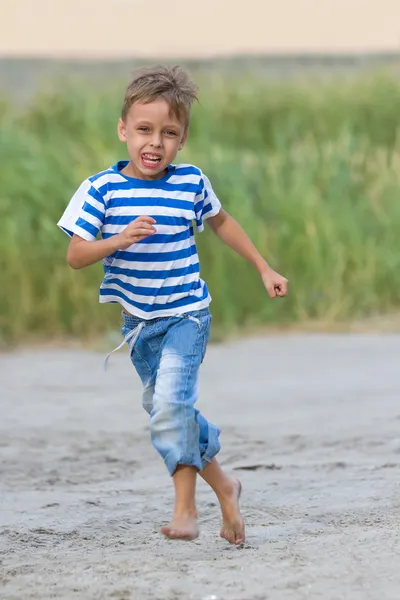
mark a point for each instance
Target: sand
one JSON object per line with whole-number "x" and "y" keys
{"x": 310, "y": 425}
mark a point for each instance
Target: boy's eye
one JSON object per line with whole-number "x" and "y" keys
{"x": 169, "y": 132}
{"x": 145, "y": 129}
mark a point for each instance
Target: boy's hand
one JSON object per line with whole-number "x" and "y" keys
{"x": 275, "y": 284}
{"x": 137, "y": 230}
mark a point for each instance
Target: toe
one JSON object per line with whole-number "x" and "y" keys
{"x": 228, "y": 535}
{"x": 239, "y": 540}
{"x": 240, "y": 534}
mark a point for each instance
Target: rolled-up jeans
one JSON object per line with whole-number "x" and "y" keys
{"x": 167, "y": 353}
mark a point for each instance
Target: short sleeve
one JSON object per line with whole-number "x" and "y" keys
{"x": 84, "y": 215}
{"x": 206, "y": 203}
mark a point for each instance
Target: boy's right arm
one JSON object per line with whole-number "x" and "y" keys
{"x": 82, "y": 253}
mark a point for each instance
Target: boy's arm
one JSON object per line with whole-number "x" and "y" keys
{"x": 233, "y": 235}
{"x": 82, "y": 253}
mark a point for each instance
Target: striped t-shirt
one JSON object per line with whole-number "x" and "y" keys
{"x": 159, "y": 276}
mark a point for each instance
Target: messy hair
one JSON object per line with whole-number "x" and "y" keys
{"x": 171, "y": 83}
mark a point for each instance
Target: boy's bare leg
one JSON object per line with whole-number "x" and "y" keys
{"x": 184, "y": 523}
{"x": 228, "y": 492}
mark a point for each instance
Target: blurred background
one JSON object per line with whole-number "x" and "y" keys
{"x": 297, "y": 127}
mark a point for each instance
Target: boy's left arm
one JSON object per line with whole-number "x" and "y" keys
{"x": 233, "y": 235}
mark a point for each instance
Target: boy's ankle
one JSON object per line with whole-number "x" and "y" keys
{"x": 185, "y": 511}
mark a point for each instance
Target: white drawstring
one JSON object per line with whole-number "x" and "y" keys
{"x": 191, "y": 318}
{"x": 130, "y": 339}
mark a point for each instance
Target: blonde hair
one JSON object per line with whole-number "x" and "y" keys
{"x": 173, "y": 84}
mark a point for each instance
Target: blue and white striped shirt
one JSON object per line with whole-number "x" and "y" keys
{"x": 159, "y": 276}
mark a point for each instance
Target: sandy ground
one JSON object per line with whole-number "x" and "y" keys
{"x": 310, "y": 424}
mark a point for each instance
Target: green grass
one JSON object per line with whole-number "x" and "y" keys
{"x": 312, "y": 171}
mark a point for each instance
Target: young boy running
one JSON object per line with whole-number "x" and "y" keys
{"x": 144, "y": 209}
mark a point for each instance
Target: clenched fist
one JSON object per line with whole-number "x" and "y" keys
{"x": 137, "y": 230}
{"x": 275, "y": 284}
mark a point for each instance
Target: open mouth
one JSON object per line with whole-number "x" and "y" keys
{"x": 150, "y": 160}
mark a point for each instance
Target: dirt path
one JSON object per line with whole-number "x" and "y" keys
{"x": 310, "y": 424}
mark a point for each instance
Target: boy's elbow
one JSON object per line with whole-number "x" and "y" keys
{"x": 73, "y": 260}
{"x": 76, "y": 255}
{"x": 74, "y": 264}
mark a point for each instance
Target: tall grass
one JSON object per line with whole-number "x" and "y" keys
{"x": 311, "y": 171}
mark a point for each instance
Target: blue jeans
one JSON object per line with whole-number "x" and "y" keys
{"x": 167, "y": 354}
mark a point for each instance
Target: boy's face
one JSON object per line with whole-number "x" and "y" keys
{"x": 153, "y": 136}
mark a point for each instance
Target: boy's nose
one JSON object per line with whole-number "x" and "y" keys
{"x": 156, "y": 141}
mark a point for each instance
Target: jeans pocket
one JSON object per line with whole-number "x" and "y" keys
{"x": 141, "y": 365}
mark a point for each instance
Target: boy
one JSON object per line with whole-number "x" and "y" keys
{"x": 144, "y": 209}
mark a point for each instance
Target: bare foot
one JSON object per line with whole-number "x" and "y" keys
{"x": 182, "y": 527}
{"x": 232, "y": 521}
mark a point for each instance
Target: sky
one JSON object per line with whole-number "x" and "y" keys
{"x": 196, "y": 28}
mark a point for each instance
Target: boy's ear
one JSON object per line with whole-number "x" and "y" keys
{"x": 121, "y": 130}
{"x": 184, "y": 138}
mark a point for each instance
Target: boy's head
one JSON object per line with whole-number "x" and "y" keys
{"x": 155, "y": 118}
